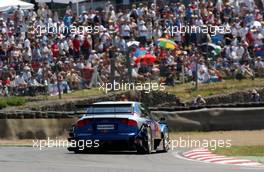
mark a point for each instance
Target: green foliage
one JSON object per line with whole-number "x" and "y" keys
{"x": 187, "y": 92}
{"x": 12, "y": 101}
{"x": 257, "y": 150}
{"x": 3, "y": 103}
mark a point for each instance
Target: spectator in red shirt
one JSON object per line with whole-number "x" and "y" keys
{"x": 249, "y": 38}
{"x": 86, "y": 48}
{"x": 55, "y": 49}
{"x": 76, "y": 47}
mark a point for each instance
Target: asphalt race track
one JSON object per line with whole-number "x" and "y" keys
{"x": 28, "y": 159}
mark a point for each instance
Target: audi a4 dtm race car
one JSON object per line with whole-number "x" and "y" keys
{"x": 122, "y": 125}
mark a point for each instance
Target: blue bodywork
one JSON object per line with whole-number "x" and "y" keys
{"x": 118, "y": 123}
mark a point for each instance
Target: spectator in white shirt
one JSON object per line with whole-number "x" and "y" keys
{"x": 143, "y": 32}
{"x": 125, "y": 31}
{"x": 92, "y": 57}
{"x": 203, "y": 76}
{"x": 259, "y": 67}
{"x": 19, "y": 81}
{"x": 240, "y": 51}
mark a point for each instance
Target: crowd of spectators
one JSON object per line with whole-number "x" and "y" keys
{"x": 34, "y": 61}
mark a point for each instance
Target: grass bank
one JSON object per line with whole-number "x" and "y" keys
{"x": 186, "y": 91}
{"x": 75, "y": 94}
{"x": 257, "y": 150}
{"x": 12, "y": 101}
{"x": 183, "y": 91}
{"x": 255, "y": 153}
{"x": 253, "y": 137}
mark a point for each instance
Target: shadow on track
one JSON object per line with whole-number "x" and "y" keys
{"x": 113, "y": 152}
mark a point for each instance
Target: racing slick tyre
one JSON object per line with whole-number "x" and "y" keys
{"x": 165, "y": 141}
{"x": 147, "y": 143}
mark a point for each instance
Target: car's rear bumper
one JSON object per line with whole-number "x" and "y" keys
{"x": 117, "y": 141}
{"x": 106, "y": 136}
{"x": 132, "y": 140}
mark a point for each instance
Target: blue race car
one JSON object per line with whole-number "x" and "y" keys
{"x": 123, "y": 125}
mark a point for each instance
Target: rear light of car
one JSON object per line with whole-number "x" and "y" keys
{"x": 129, "y": 122}
{"x": 82, "y": 123}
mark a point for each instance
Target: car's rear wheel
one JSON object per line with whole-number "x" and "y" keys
{"x": 147, "y": 143}
{"x": 165, "y": 141}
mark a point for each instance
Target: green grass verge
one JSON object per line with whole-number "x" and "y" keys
{"x": 84, "y": 93}
{"x": 12, "y": 101}
{"x": 183, "y": 91}
{"x": 15, "y": 145}
{"x": 241, "y": 151}
{"x": 253, "y": 158}
{"x": 186, "y": 91}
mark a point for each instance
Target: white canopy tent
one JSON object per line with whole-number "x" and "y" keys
{"x": 60, "y": 1}
{"x": 64, "y": 2}
{"x": 8, "y": 4}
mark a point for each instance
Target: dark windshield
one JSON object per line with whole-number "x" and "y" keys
{"x": 106, "y": 109}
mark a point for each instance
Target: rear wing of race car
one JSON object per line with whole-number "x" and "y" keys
{"x": 105, "y": 108}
